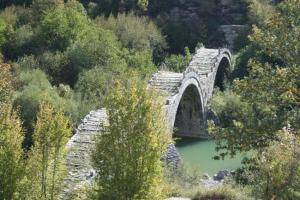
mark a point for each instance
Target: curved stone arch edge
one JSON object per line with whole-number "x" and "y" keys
{"x": 176, "y": 99}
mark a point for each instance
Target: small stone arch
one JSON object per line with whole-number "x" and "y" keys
{"x": 222, "y": 74}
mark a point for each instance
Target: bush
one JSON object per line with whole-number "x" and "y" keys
{"x": 140, "y": 61}
{"x": 56, "y": 66}
{"x": 178, "y": 63}
{"x": 225, "y": 192}
{"x": 180, "y": 181}
{"x": 128, "y": 152}
{"x": 2, "y": 32}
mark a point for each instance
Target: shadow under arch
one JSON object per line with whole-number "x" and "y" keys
{"x": 189, "y": 119}
{"x": 222, "y": 75}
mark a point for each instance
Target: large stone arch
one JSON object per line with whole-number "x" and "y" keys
{"x": 187, "y": 108}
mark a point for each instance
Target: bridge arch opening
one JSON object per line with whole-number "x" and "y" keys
{"x": 189, "y": 121}
{"x": 222, "y": 74}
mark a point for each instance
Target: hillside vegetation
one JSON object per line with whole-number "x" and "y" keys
{"x": 62, "y": 58}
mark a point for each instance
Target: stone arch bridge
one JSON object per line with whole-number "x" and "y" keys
{"x": 188, "y": 97}
{"x": 189, "y": 93}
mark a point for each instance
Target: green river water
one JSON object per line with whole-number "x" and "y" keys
{"x": 199, "y": 153}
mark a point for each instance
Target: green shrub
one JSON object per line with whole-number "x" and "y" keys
{"x": 225, "y": 192}
{"x": 2, "y": 32}
{"x": 178, "y": 63}
{"x": 97, "y": 47}
{"x": 56, "y": 66}
{"x": 7, "y": 83}
{"x": 140, "y": 60}
{"x": 182, "y": 180}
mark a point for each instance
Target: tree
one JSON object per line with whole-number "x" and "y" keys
{"x": 127, "y": 154}
{"x": 275, "y": 25}
{"x": 93, "y": 85}
{"x": 11, "y": 153}
{"x": 270, "y": 94}
{"x": 277, "y": 169}
{"x": 98, "y": 47}
{"x": 61, "y": 26}
{"x": 45, "y": 162}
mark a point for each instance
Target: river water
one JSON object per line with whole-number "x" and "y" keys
{"x": 200, "y": 153}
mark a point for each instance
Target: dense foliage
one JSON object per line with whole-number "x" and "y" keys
{"x": 265, "y": 103}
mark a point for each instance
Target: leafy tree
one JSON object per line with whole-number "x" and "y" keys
{"x": 2, "y": 32}
{"x": 97, "y": 47}
{"x": 11, "y": 153}
{"x": 45, "y": 162}
{"x": 259, "y": 11}
{"x": 40, "y": 7}
{"x": 127, "y": 154}
{"x": 61, "y": 26}
{"x": 274, "y": 26}
{"x": 276, "y": 169}
{"x": 269, "y": 96}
